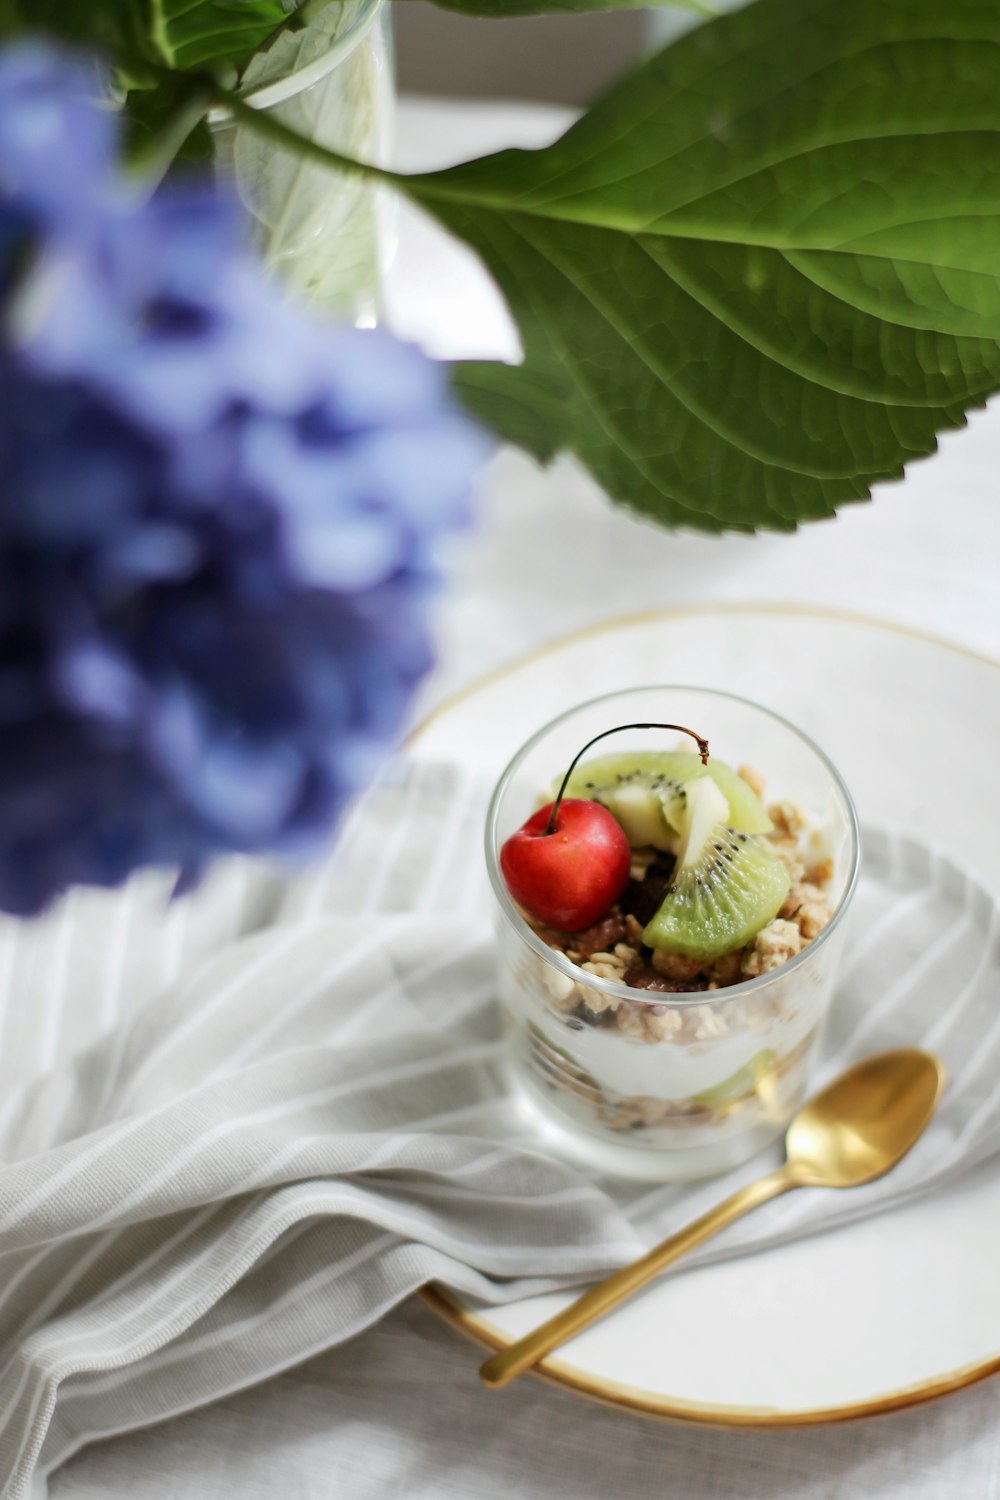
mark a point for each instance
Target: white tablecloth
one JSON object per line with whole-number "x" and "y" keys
{"x": 398, "y": 1412}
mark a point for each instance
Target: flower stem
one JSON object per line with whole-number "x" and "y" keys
{"x": 265, "y": 123}
{"x": 150, "y": 160}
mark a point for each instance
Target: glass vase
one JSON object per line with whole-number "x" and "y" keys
{"x": 327, "y": 234}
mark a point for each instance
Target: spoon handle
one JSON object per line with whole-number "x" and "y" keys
{"x": 508, "y": 1363}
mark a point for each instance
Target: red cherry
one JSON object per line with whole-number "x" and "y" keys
{"x": 572, "y": 876}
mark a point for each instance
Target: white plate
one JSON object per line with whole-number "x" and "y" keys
{"x": 872, "y": 1317}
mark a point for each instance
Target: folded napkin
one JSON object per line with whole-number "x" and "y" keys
{"x": 239, "y": 1127}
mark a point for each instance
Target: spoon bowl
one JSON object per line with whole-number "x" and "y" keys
{"x": 865, "y": 1121}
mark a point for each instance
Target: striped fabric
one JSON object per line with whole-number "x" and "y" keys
{"x": 239, "y": 1128}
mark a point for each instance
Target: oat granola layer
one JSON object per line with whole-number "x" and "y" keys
{"x": 613, "y": 948}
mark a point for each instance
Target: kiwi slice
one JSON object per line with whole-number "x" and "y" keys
{"x": 725, "y": 887}
{"x": 739, "y": 1085}
{"x": 646, "y": 791}
{"x": 638, "y": 799}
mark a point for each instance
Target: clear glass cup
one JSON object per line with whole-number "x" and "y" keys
{"x": 653, "y": 1085}
{"x": 327, "y": 234}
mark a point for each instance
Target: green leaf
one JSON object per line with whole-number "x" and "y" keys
{"x": 192, "y": 34}
{"x": 144, "y": 36}
{"x": 518, "y": 402}
{"x": 760, "y": 275}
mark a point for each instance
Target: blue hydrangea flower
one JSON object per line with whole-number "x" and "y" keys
{"x": 220, "y": 528}
{"x": 57, "y": 148}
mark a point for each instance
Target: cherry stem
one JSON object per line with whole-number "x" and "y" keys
{"x": 702, "y": 751}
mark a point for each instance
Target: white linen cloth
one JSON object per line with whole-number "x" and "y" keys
{"x": 263, "y": 1160}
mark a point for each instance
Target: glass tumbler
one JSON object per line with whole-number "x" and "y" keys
{"x": 662, "y": 1086}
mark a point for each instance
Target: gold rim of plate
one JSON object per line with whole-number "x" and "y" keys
{"x": 559, "y": 1372}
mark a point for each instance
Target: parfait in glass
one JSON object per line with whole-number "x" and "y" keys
{"x": 662, "y": 1017}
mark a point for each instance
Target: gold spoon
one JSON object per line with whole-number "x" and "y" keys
{"x": 859, "y": 1127}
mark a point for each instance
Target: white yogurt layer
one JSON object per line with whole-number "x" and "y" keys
{"x": 666, "y": 1070}
{"x": 672, "y": 1069}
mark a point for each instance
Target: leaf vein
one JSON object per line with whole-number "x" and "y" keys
{"x": 656, "y": 370}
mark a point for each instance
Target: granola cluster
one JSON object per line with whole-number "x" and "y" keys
{"x": 613, "y": 948}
